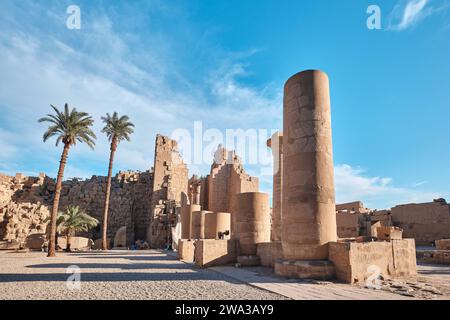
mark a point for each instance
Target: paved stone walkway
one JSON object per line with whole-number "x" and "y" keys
{"x": 306, "y": 290}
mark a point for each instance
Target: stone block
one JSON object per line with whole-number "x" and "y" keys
{"x": 354, "y": 262}
{"x": 186, "y": 250}
{"x": 443, "y": 244}
{"x": 248, "y": 261}
{"x": 210, "y": 253}
{"x": 305, "y": 269}
{"x": 389, "y": 233}
{"x": 434, "y": 256}
{"x": 269, "y": 252}
{"x": 35, "y": 241}
{"x": 76, "y": 243}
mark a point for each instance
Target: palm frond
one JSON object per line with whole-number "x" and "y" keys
{"x": 69, "y": 126}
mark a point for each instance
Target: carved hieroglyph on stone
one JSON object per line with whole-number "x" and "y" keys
{"x": 308, "y": 217}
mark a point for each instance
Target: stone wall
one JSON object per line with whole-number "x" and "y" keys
{"x": 426, "y": 222}
{"x": 24, "y": 207}
{"x": 227, "y": 178}
{"x": 209, "y": 253}
{"x": 269, "y": 252}
{"x": 355, "y": 262}
{"x": 170, "y": 190}
{"x": 348, "y": 225}
{"x": 129, "y": 202}
{"x": 147, "y": 207}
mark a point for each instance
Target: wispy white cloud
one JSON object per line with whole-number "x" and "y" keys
{"x": 354, "y": 184}
{"x": 101, "y": 72}
{"x": 408, "y": 13}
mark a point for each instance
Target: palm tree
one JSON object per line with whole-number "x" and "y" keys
{"x": 74, "y": 220}
{"x": 116, "y": 129}
{"x": 70, "y": 127}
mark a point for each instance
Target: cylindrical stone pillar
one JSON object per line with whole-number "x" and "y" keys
{"x": 309, "y": 212}
{"x": 251, "y": 221}
{"x": 223, "y": 223}
{"x": 186, "y": 220}
{"x": 198, "y": 224}
{"x": 197, "y": 193}
{"x": 216, "y": 222}
{"x": 276, "y": 144}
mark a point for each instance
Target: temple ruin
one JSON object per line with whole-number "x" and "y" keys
{"x": 223, "y": 218}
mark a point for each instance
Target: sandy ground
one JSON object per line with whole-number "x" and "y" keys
{"x": 152, "y": 275}
{"x": 116, "y": 275}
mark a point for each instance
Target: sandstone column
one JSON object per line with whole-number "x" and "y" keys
{"x": 199, "y": 224}
{"x": 186, "y": 220}
{"x": 197, "y": 193}
{"x": 250, "y": 224}
{"x": 309, "y": 211}
{"x": 216, "y": 222}
{"x": 276, "y": 143}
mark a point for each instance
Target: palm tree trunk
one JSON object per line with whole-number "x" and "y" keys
{"x": 108, "y": 193}
{"x": 62, "y": 165}
{"x": 68, "y": 242}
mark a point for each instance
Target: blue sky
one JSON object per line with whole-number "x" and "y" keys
{"x": 170, "y": 63}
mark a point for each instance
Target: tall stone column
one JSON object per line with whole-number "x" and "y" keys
{"x": 309, "y": 212}
{"x": 276, "y": 144}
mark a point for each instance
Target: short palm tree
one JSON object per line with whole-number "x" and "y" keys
{"x": 74, "y": 220}
{"x": 69, "y": 127}
{"x": 116, "y": 129}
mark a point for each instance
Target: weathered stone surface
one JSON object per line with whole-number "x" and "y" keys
{"x": 76, "y": 243}
{"x": 216, "y": 222}
{"x": 250, "y": 221}
{"x": 426, "y": 222}
{"x": 120, "y": 239}
{"x": 226, "y": 179}
{"x": 35, "y": 241}
{"x": 389, "y": 233}
{"x": 139, "y": 200}
{"x": 304, "y": 269}
{"x": 355, "y": 262}
{"x": 186, "y": 250}
{"x": 248, "y": 261}
{"x": 276, "y": 144}
{"x": 443, "y": 244}
{"x": 210, "y": 253}
{"x": 309, "y": 211}
{"x": 186, "y": 219}
{"x": 434, "y": 256}
{"x": 269, "y": 252}
{"x": 347, "y": 225}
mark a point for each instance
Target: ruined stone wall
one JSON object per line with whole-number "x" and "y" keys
{"x": 352, "y": 207}
{"x": 145, "y": 203}
{"x": 129, "y": 202}
{"x": 354, "y": 261}
{"x": 24, "y": 207}
{"x": 170, "y": 190}
{"x": 426, "y": 222}
{"x": 227, "y": 178}
{"x": 348, "y": 225}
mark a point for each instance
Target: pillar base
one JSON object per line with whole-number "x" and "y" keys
{"x": 249, "y": 261}
{"x": 305, "y": 269}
